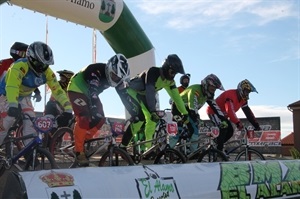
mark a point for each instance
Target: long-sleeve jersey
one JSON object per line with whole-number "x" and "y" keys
{"x": 230, "y": 103}
{"x": 194, "y": 98}
{"x": 20, "y": 81}
{"x": 90, "y": 81}
{"x": 152, "y": 80}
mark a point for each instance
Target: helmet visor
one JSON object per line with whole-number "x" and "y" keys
{"x": 172, "y": 73}
{"x": 39, "y": 67}
{"x": 115, "y": 78}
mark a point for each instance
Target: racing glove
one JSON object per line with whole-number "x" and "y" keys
{"x": 13, "y": 112}
{"x": 223, "y": 125}
{"x": 154, "y": 117}
{"x": 185, "y": 119}
{"x": 37, "y": 97}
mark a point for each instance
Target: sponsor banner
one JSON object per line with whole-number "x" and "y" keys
{"x": 270, "y": 134}
{"x": 225, "y": 180}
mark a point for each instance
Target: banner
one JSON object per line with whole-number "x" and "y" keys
{"x": 225, "y": 180}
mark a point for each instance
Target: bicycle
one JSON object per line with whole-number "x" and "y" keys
{"x": 204, "y": 146}
{"x": 35, "y": 156}
{"x": 160, "y": 150}
{"x": 247, "y": 153}
{"x": 102, "y": 150}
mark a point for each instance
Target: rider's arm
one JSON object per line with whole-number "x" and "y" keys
{"x": 57, "y": 92}
{"x": 216, "y": 109}
{"x": 13, "y": 81}
{"x": 151, "y": 77}
{"x": 174, "y": 94}
{"x": 250, "y": 116}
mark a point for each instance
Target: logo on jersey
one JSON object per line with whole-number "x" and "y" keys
{"x": 80, "y": 102}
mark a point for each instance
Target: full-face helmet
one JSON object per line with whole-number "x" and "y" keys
{"x": 18, "y": 50}
{"x": 210, "y": 83}
{"x": 184, "y": 77}
{"x": 244, "y": 88}
{"x": 171, "y": 66}
{"x": 117, "y": 70}
{"x": 65, "y": 76}
{"x": 40, "y": 56}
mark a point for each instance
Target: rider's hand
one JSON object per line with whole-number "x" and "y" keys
{"x": 185, "y": 119}
{"x": 240, "y": 126}
{"x": 154, "y": 117}
{"x": 257, "y": 128}
{"x": 223, "y": 124}
{"x": 13, "y": 112}
{"x": 194, "y": 115}
{"x": 37, "y": 97}
{"x": 64, "y": 118}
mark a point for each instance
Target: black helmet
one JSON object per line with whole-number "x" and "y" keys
{"x": 185, "y": 76}
{"x": 172, "y": 62}
{"x": 211, "y": 80}
{"x": 65, "y": 76}
{"x": 18, "y": 50}
{"x": 40, "y": 56}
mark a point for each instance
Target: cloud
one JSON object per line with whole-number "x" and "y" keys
{"x": 181, "y": 14}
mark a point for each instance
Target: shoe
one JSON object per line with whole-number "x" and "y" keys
{"x": 81, "y": 159}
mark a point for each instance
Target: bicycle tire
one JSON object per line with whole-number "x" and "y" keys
{"x": 66, "y": 158}
{"x": 212, "y": 155}
{"x": 120, "y": 158}
{"x": 170, "y": 156}
{"x": 251, "y": 151}
{"x": 44, "y": 160}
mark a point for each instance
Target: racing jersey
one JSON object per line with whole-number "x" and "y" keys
{"x": 91, "y": 81}
{"x": 152, "y": 80}
{"x": 194, "y": 99}
{"x": 20, "y": 81}
{"x": 230, "y": 103}
{"x": 181, "y": 88}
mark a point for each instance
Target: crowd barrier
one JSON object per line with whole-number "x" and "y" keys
{"x": 225, "y": 180}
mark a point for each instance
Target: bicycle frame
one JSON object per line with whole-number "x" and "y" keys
{"x": 10, "y": 158}
{"x": 161, "y": 141}
{"x": 244, "y": 143}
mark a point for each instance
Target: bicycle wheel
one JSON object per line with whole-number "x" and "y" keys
{"x": 212, "y": 155}
{"x": 253, "y": 154}
{"x": 43, "y": 160}
{"x": 62, "y": 147}
{"x": 170, "y": 156}
{"x": 119, "y": 157}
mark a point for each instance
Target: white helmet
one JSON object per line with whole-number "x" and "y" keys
{"x": 117, "y": 70}
{"x": 40, "y": 56}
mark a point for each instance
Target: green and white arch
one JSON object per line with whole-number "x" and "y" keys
{"x": 111, "y": 17}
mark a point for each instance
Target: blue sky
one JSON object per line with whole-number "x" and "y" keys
{"x": 256, "y": 40}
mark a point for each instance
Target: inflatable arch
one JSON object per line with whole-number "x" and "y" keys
{"x": 111, "y": 17}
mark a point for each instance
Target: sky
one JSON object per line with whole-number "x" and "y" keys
{"x": 258, "y": 40}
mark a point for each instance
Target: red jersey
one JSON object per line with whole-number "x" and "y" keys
{"x": 5, "y": 64}
{"x": 181, "y": 88}
{"x": 229, "y": 104}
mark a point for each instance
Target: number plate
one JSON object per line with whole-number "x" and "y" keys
{"x": 43, "y": 124}
{"x": 214, "y": 132}
{"x": 172, "y": 128}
